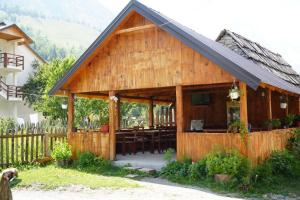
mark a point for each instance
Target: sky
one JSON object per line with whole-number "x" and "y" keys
{"x": 275, "y": 24}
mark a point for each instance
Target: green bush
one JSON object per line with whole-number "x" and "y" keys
{"x": 198, "y": 170}
{"x": 262, "y": 173}
{"x": 230, "y": 163}
{"x": 169, "y": 155}
{"x": 288, "y": 120}
{"x": 293, "y": 144}
{"x": 7, "y": 123}
{"x": 177, "y": 169}
{"x": 89, "y": 160}
{"x": 61, "y": 151}
{"x": 282, "y": 163}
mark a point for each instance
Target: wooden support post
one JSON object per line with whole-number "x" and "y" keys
{"x": 118, "y": 114}
{"x": 179, "y": 120}
{"x": 70, "y": 112}
{"x": 112, "y": 125}
{"x": 151, "y": 116}
{"x": 269, "y": 104}
{"x": 243, "y": 103}
{"x": 287, "y": 107}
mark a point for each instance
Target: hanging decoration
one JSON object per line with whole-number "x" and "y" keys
{"x": 283, "y": 102}
{"x": 234, "y": 92}
{"x": 114, "y": 98}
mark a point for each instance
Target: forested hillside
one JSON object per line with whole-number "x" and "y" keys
{"x": 58, "y": 27}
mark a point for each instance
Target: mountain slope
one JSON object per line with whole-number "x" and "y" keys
{"x": 67, "y": 25}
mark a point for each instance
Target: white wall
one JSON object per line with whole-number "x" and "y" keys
{"x": 17, "y": 109}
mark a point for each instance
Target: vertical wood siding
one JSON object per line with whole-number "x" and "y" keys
{"x": 260, "y": 144}
{"x": 94, "y": 142}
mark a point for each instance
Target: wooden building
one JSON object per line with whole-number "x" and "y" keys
{"x": 144, "y": 56}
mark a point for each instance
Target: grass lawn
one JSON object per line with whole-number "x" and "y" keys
{"x": 51, "y": 177}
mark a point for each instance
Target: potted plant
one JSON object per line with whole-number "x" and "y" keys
{"x": 276, "y": 123}
{"x": 269, "y": 124}
{"x": 283, "y": 103}
{"x": 273, "y": 124}
{"x": 104, "y": 124}
{"x": 238, "y": 127}
{"x": 62, "y": 154}
{"x": 288, "y": 120}
{"x": 234, "y": 93}
{"x": 297, "y": 120}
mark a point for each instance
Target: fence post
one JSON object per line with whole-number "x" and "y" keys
{"x": 46, "y": 144}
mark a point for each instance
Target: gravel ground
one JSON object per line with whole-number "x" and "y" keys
{"x": 151, "y": 189}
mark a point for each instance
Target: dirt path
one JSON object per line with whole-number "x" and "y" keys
{"x": 151, "y": 189}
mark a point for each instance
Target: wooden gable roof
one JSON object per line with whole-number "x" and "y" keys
{"x": 241, "y": 68}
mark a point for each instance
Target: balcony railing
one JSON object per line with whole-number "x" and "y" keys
{"x": 13, "y": 60}
{"x": 10, "y": 91}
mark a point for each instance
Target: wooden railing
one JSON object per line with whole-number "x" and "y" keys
{"x": 11, "y": 91}
{"x": 9, "y": 59}
{"x": 257, "y": 146}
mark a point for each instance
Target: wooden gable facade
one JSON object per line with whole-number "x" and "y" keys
{"x": 147, "y": 57}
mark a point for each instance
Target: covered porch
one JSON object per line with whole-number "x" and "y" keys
{"x": 192, "y": 127}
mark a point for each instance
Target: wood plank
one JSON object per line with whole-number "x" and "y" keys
{"x": 179, "y": 122}
{"x": 112, "y": 125}
{"x": 133, "y": 29}
{"x": 243, "y": 103}
{"x": 150, "y": 113}
{"x": 269, "y": 104}
{"x": 70, "y": 112}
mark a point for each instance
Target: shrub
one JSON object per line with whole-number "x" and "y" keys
{"x": 61, "y": 151}
{"x": 262, "y": 173}
{"x": 288, "y": 120}
{"x": 198, "y": 170}
{"x": 89, "y": 160}
{"x": 282, "y": 163}
{"x": 169, "y": 155}
{"x": 293, "y": 144}
{"x": 177, "y": 169}
{"x": 230, "y": 163}
{"x": 7, "y": 123}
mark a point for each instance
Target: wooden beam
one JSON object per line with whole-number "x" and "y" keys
{"x": 269, "y": 103}
{"x": 287, "y": 107}
{"x": 243, "y": 103}
{"x": 151, "y": 116}
{"x": 70, "y": 112}
{"x": 179, "y": 120}
{"x": 112, "y": 125}
{"x": 137, "y": 28}
{"x": 118, "y": 114}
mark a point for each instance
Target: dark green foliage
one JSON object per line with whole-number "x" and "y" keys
{"x": 288, "y": 120}
{"x": 198, "y": 170}
{"x": 282, "y": 163}
{"x": 293, "y": 144}
{"x": 89, "y": 160}
{"x": 231, "y": 163}
{"x": 273, "y": 123}
{"x": 177, "y": 169}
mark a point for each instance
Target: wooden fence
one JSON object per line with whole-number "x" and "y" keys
{"x": 95, "y": 142}
{"x": 25, "y": 145}
{"x": 257, "y": 146}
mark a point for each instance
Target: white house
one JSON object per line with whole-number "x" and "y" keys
{"x": 16, "y": 58}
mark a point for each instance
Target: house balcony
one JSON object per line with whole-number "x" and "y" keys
{"x": 10, "y": 63}
{"x": 10, "y": 92}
